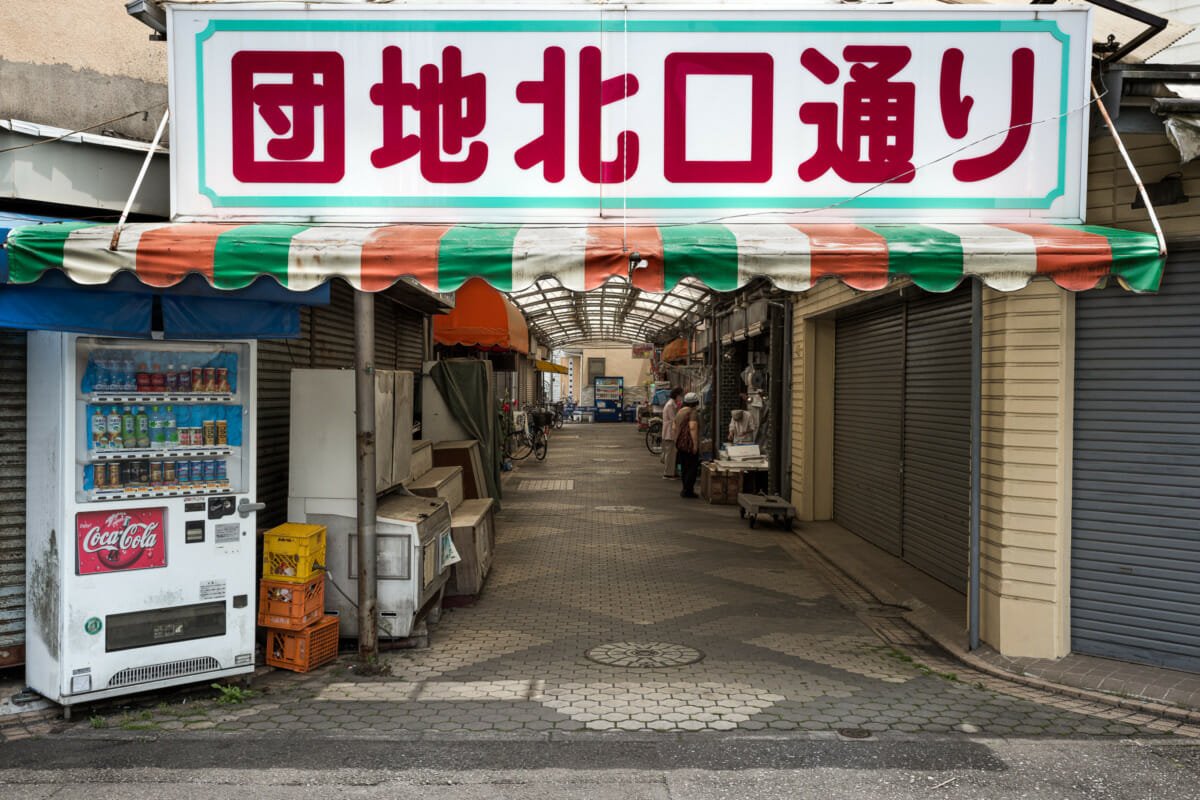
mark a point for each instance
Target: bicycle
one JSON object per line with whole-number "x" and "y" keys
{"x": 558, "y": 416}
{"x": 542, "y": 422}
{"x": 517, "y": 442}
{"x": 654, "y": 441}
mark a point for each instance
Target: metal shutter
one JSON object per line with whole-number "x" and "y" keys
{"x": 333, "y": 329}
{"x": 1135, "y": 540}
{"x": 410, "y": 340}
{"x": 12, "y": 497}
{"x": 276, "y": 360}
{"x": 385, "y": 332}
{"x": 867, "y": 418}
{"x": 937, "y": 435}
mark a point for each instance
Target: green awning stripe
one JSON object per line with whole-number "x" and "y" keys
{"x": 476, "y": 251}
{"x": 39, "y": 248}
{"x": 244, "y": 253}
{"x": 708, "y": 252}
{"x": 1135, "y": 258}
{"x": 932, "y": 257}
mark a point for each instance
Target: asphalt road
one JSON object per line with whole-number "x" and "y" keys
{"x": 123, "y": 765}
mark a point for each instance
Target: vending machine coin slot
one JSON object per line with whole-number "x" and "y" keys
{"x": 220, "y": 507}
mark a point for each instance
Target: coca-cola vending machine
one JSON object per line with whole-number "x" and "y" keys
{"x": 140, "y": 514}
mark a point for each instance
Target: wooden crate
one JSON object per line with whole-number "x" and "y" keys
{"x": 718, "y": 486}
{"x": 473, "y": 527}
{"x": 445, "y": 482}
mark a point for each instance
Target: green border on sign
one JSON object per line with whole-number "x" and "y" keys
{"x": 634, "y": 26}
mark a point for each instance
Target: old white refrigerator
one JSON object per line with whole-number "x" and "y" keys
{"x": 140, "y": 514}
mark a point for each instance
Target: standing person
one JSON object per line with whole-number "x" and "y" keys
{"x": 668, "y": 432}
{"x": 687, "y": 443}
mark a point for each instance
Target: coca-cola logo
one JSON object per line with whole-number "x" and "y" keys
{"x": 121, "y": 540}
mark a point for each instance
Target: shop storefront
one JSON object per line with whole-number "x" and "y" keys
{"x": 651, "y": 188}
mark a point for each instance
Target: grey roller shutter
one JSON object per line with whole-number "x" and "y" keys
{"x": 385, "y": 332}
{"x": 1135, "y": 540}
{"x": 937, "y": 435}
{"x": 276, "y": 360}
{"x": 410, "y": 340}
{"x": 12, "y": 497}
{"x": 333, "y": 329}
{"x": 867, "y": 419}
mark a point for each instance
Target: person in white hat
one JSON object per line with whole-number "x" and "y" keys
{"x": 687, "y": 443}
{"x": 668, "y": 432}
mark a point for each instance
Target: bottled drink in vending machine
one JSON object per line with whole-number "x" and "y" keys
{"x": 171, "y": 431}
{"x": 172, "y": 379}
{"x": 158, "y": 381}
{"x": 184, "y": 379}
{"x": 99, "y": 429}
{"x": 142, "y": 377}
{"x": 142, "y": 421}
{"x": 128, "y": 376}
{"x": 114, "y": 428}
{"x": 128, "y": 428}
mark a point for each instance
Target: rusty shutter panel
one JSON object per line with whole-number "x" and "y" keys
{"x": 12, "y": 497}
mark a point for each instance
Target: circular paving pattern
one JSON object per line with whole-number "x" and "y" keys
{"x": 648, "y": 655}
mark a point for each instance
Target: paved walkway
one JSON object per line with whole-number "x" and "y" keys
{"x": 615, "y": 605}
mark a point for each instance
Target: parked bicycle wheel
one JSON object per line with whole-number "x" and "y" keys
{"x": 654, "y": 437}
{"x": 519, "y": 445}
{"x": 540, "y": 445}
{"x": 558, "y": 419}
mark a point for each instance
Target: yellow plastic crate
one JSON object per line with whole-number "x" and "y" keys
{"x": 293, "y": 552}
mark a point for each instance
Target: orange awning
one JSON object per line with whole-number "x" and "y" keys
{"x": 674, "y": 350}
{"x": 483, "y": 318}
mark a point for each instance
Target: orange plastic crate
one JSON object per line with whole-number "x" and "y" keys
{"x": 303, "y": 650}
{"x": 290, "y": 605}
{"x": 293, "y": 552}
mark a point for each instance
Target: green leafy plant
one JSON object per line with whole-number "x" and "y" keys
{"x": 232, "y": 695}
{"x": 97, "y": 721}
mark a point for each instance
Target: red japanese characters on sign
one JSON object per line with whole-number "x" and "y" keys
{"x": 575, "y": 115}
{"x": 120, "y": 541}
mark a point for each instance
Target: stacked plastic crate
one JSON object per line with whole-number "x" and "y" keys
{"x": 291, "y": 598}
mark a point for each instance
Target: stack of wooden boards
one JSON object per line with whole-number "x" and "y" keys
{"x": 291, "y": 598}
{"x": 454, "y": 471}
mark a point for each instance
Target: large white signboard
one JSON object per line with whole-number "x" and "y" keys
{"x": 379, "y": 113}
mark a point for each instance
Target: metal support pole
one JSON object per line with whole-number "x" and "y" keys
{"x": 137, "y": 184}
{"x": 775, "y": 416}
{"x": 714, "y": 356}
{"x": 976, "y": 452}
{"x": 364, "y": 406}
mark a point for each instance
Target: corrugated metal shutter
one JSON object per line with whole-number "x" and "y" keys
{"x": 867, "y": 415}
{"x": 410, "y": 340}
{"x": 937, "y": 435}
{"x": 1135, "y": 541}
{"x": 276, "y": 359}
{"x": 385, "y": 333}
{"x": 333, "y": 329}
{"x": 12, "y": 497}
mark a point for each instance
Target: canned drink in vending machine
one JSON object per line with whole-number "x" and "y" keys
{"x": 114, "y": 475}
{"x": 169, "y": 473}
{"x": 197, "y": 380}
{"x": 222, "y": 471}
{"x": 210, "y": 379}
{"x": 143, "y": 473}
{"x": 127, "y": 474}
{"x": 223, "y": 381}
{"x": 100, "y": 477}
{"x": 183, "y": 472}
{"x": 156, "y": 473}
{"x": 210, "y": 471}
{"x": 197, "y": 471}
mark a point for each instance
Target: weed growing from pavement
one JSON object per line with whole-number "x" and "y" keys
{"x": 97, "y": 721}
{"x": 232, "y": 695}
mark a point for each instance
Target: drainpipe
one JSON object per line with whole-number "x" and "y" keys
{"x": 976, "y": 453}
{"x": 364, "y": 406}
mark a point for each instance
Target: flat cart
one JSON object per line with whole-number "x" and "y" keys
{"x": 752, "y": 505}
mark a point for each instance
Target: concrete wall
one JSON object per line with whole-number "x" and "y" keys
{"x": 1028, "y": 373}
{"x": 76, "y": 63}
{"x": 620, "y": 363}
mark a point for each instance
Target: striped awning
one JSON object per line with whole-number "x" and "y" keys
{"x": 511, "y": 257}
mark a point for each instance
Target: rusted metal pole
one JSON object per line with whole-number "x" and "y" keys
{"x": 364, "y": 406}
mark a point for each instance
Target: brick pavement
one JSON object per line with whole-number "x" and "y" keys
{"x": 598, "y": 557}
